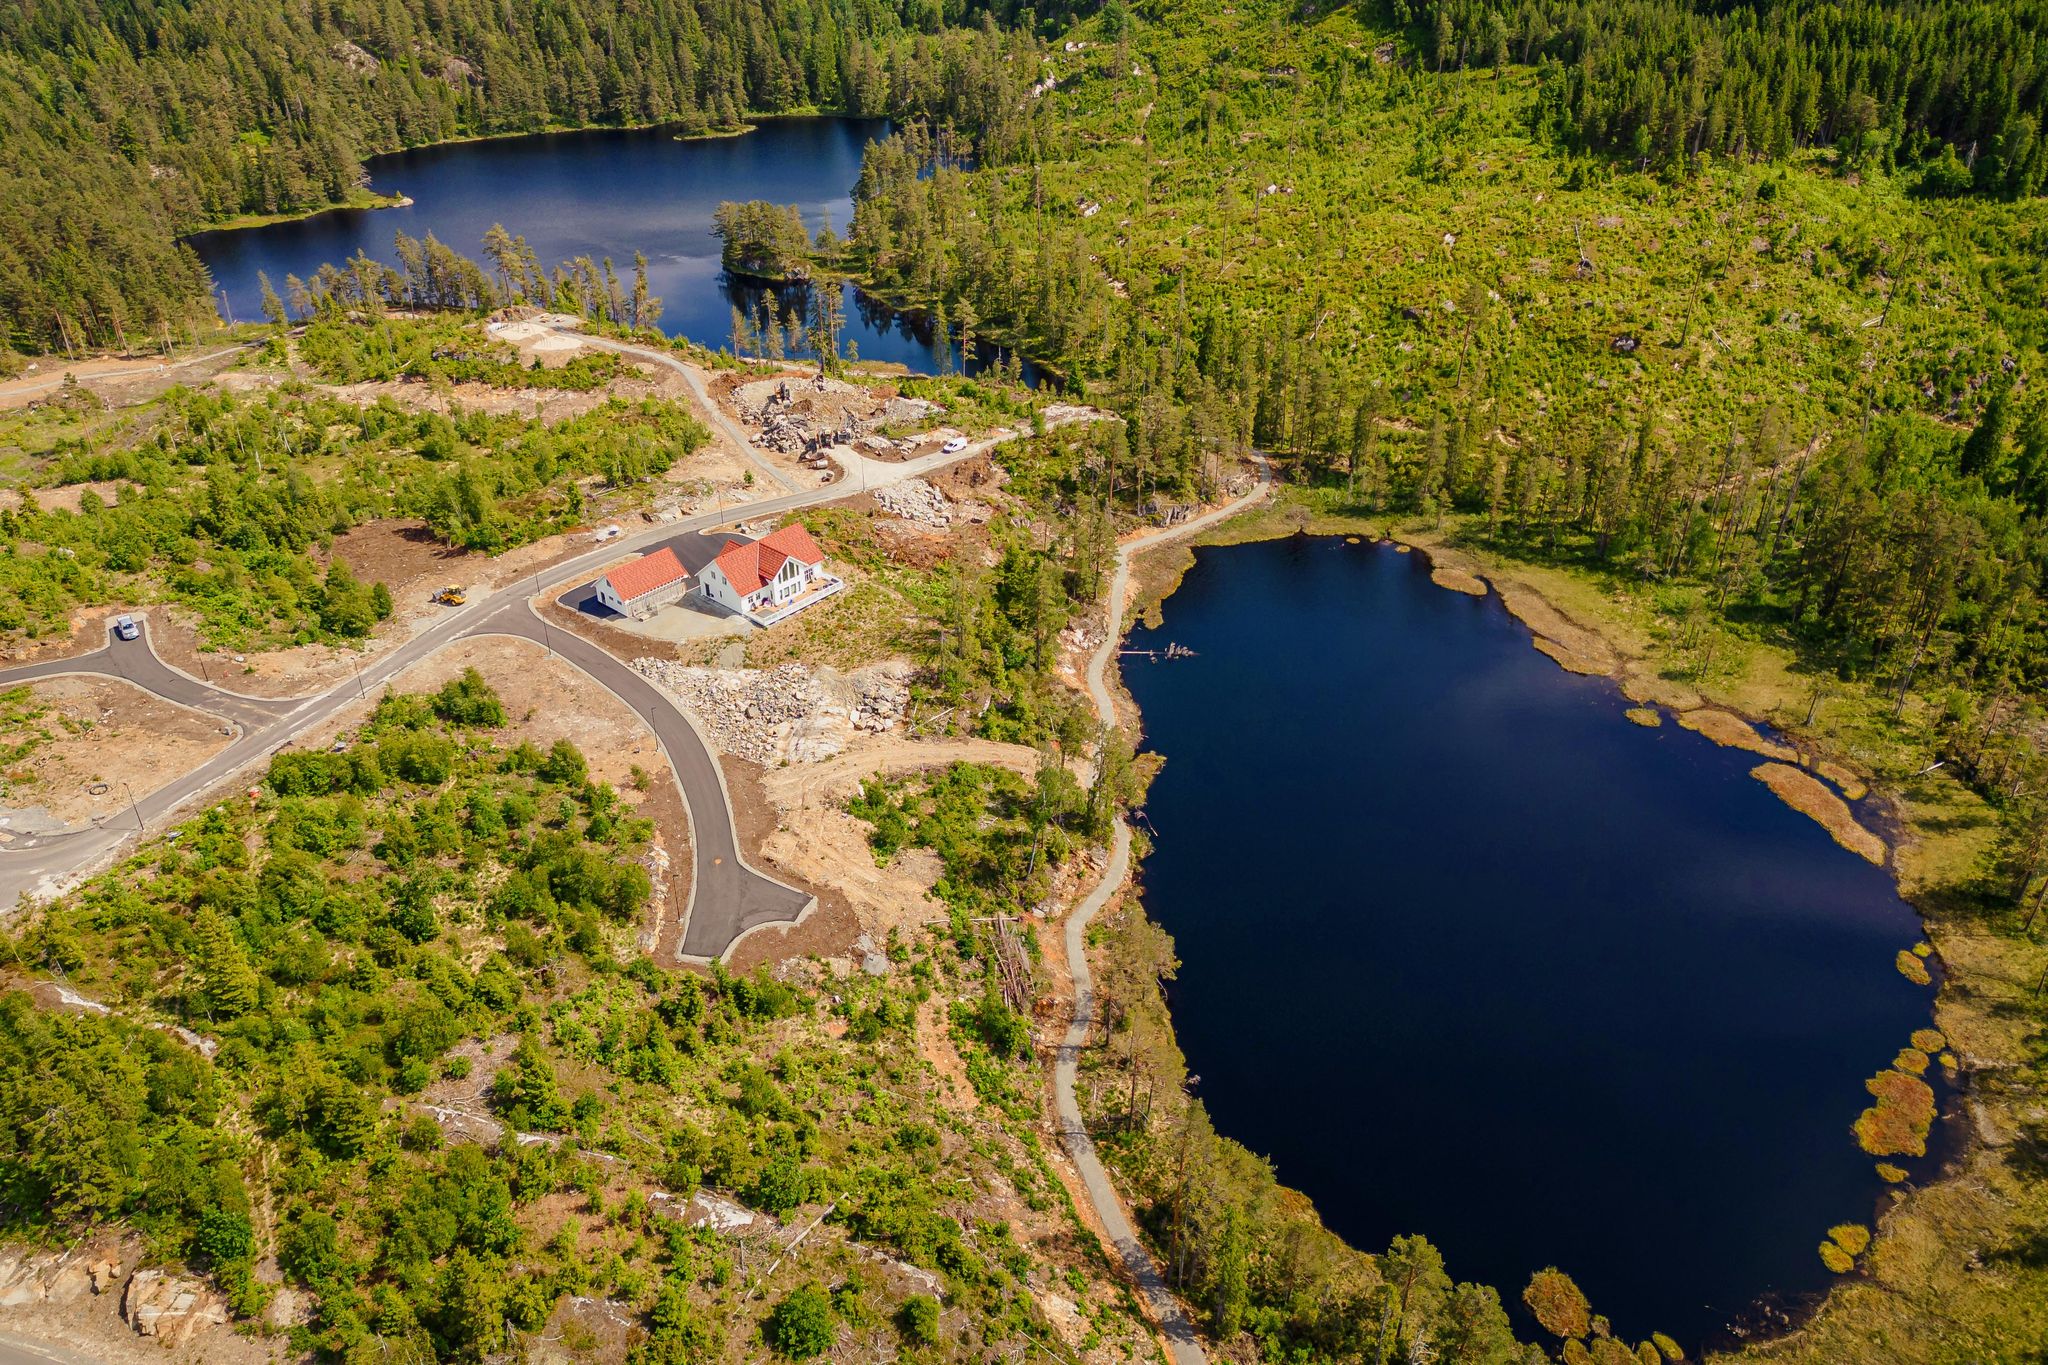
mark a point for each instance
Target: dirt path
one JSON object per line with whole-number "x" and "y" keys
{"x": 106, "y": 370}
{"x": 1109, "y": 1209}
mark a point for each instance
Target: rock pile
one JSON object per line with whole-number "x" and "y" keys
{"x": 916, "y": 501}
{"x": 796, "y": 415}
{"x": 787, "y": 714}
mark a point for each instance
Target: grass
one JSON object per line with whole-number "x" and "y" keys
{"x": 358, "y": 198}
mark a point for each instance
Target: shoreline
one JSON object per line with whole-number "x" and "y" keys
{"x": 363, "y": 197}
{"x": 361, "y": 200}
{"x": 1768, "y": 1320}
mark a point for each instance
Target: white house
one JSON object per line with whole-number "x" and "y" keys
{"x": 770, "y": 578}
{"x": 645, "y": 585}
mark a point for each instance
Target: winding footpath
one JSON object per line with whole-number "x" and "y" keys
{"x": 1109, "y": 1208}
{"x": 728, "y": 898}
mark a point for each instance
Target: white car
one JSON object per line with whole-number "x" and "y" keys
{"x": 127, "y": 627}
{"x": 955, "y": 446}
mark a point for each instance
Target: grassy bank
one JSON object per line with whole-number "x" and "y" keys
{"x": 358, "y": 198}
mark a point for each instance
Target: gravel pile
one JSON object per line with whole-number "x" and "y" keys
{"x": 791, "y": 713}
{"x": 916, "y": 501}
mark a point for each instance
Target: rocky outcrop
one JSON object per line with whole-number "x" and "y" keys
{"x": 170, "y": 1307}
{"x": 31, "y": 1277}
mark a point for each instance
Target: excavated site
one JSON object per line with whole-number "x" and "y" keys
{"x": 788, "y": 714}
{"x": 803, "y": 415}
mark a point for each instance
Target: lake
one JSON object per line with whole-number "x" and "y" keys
{"x": 1467, "y": 954}
{"x": 602, "y": 193}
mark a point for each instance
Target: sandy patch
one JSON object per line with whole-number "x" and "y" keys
{"x": 92, "y": 736}
{"x": 1732, "y": 731}
{"x": 1805, "y": 794}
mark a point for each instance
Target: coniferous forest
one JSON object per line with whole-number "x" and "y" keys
{"x": 130, "y": 123}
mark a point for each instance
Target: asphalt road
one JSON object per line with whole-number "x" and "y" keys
{"x": 20, "y": 1350}
{"x": 728, "y": 898}
{"x": 135, "y": 661}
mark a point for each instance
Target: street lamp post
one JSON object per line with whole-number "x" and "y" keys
{"x": 133, "y": 809}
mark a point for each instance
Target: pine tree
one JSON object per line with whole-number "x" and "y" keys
{"x": 230, "y": 986}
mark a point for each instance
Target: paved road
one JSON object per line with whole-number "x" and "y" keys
{"x": 20, "y": 1350}
{"x": 727, "y": 895}
{"x": 1109, "y": 1207}
{"x": 137, "y": 662}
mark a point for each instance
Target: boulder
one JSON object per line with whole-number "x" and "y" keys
{"x": 170, "y": 1308}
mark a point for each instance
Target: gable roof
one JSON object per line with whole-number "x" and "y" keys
{"x": 647, "y": 573}
{"x": 749, "y": 565}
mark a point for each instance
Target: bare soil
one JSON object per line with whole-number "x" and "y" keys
{"x": 68, "y": 497}
{"x": 120, "y": 380}
{"x": 97, "y": 740}
{"x": 831, "y": 927}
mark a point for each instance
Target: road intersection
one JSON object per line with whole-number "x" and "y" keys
{"x": 728, "y": 897}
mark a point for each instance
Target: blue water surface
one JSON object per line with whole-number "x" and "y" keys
{"x": 1467, "y": 954}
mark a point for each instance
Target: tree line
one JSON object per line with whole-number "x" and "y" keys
{"x": 1957, "y": 86}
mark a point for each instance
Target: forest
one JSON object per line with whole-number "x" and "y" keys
{"x": 1956, "y": 88}
{"x": 131, "y": 123}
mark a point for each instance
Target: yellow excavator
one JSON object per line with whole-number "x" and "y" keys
{"x": 451, "y": 596}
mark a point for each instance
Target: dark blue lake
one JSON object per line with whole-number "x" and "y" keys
{"x": 1467, "y": 954}
{"x": 597, "y": 194}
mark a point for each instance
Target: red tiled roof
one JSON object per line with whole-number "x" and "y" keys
{"x": 647, "y": 573}
{"x": 749, "y": 565}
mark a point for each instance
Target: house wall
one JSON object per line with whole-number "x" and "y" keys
{"x": 644, "y": 604}
{"x": 715, "y": 586}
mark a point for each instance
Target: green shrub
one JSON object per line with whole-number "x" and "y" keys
{"x": 918, "y": 1320}
{"x": 803, "y": 1324}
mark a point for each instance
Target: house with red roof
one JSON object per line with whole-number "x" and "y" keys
{"x": 645, "y": 585}
{"x": 769, "y": 579}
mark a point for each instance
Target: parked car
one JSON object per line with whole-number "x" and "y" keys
{"x": 127, "y": 627}
{"x": 955, "y": 446}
